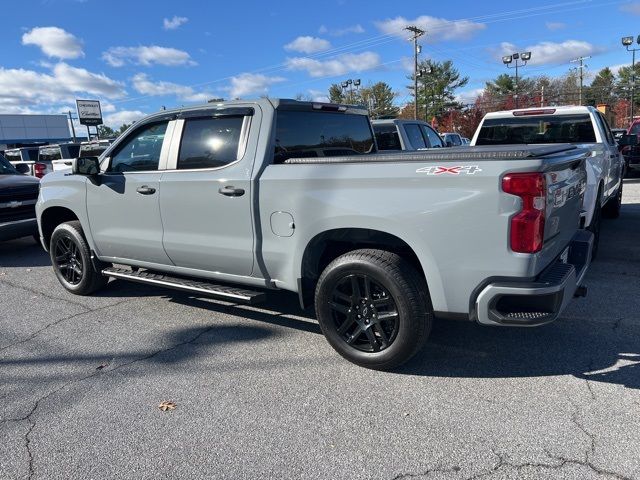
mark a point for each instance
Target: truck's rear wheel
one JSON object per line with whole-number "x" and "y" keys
{"x": 373, "y": 307}
{"x": 71, "y": 260}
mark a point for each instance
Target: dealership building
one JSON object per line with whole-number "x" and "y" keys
{"x": 25, "y": 130}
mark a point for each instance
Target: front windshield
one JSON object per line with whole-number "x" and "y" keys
{"x": 6, "y": 168}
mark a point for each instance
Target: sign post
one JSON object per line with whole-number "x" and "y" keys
{"x": 89, "y": 113}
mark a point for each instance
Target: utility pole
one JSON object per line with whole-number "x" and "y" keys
{"x": 628, "y": 42}
{"x": 581, "y": 67}
{"x": 417, "y": 33}
{"x": 542, "y": 97}
{"x": 73, "y": 129}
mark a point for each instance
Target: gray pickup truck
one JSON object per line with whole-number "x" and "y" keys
{"x": 237, "y": 198}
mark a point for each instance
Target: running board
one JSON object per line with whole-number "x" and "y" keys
{"x": 222, "y": 292}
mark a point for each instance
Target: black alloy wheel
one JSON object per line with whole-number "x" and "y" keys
{"x": 68, "y": 260}
{"x": 365, "y": 313}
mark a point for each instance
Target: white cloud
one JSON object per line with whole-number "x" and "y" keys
{"x": 143, "y": 85}
{"x": 338, "y": 32}
{"x": 553, "y": 26}
{"x": 633, "y": 7}
{"x": 54, "y": 42}
{"x": 319, "y": 96}
{"x": 117, "y": 119}
{"x": 437, "y": 29}
{"x": 251, "y": 84}
{"x": 616, "y": 68}
{"x": 175, "y": 22}
{"x": 469, "y": 96}
{"x": 20, "y": 88}
{"x": 308, "y": 45}
{"x": 147, "y": 56}
{"x": 551, "y": 53}
{"x": 337, "y": 66}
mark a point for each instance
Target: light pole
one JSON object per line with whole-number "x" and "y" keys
{"x": 350, "y": 84}
{"x": 508, "y": 59}
{"x": 422, "y": 73}
{"x": 417, "y": 33}
{"x": 627, "y": 42}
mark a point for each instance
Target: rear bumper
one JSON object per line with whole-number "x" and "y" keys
{"x": 533, "y": 303}
{"x": 18, "y": 228}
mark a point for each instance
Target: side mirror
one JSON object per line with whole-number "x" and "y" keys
{"x": 628, "y": 141}
{"x": 23, "y": 168}
{"x": 85, "y": 166}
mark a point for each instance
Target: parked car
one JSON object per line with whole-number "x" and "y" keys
{"x": 631, "y": 153}
{"x": 465, "y": 141}
{"x": 232, "y": 199}
{"x": 399, "y": 134}
{"x": 583, "y": 126}
{"x": 27, "y": 156}
{"x": 54, "y": 154}
{"x": 93, "y": 148}
{"x": 452, "y": 139}
{"x": 618, "y": 133}
{"x": 18, "y": 196}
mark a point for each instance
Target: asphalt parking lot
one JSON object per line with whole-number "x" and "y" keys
{"x": 260, "y": 394}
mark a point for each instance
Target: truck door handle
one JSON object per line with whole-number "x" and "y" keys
{"x": 144, "y": 190}
{"x": 231, "y": 191}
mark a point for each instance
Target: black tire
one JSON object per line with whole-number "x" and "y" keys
{"x": 611, "y": 209}
{"x": 385, "y": 320}
{"x": 71, "y": 260}
{"x": 595, "y": 226}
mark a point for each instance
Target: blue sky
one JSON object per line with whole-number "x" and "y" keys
{"x": 138, "y": 56}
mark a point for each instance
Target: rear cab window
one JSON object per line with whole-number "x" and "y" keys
{"x": 309, "y": 134}
{"x": 537, "y": 129}
{"x": 49, "y": 154}
{"x": 415, "y": 135}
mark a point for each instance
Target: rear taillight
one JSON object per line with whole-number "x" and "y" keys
{"x": 527, "y": 226}
{"x": 39, "y": 169}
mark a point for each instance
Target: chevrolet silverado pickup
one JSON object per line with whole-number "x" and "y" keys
{"x": 233, "y": 199}
{"x": 18, "y": 196}
{"x": 582, "y": 126}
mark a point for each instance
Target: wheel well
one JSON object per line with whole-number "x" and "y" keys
{"x": 51, "y": 218}
{"x": 327, "y": 246}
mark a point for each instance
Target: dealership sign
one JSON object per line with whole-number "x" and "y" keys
{"x": 89, "y": 112}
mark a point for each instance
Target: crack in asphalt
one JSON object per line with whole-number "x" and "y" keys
{"x": 561, "y": 462}
{"x": 454, "y": 469}
{"x": 57, "y": 322}
{"x": 37, "y": 292}
{"x": 32, "y": 421}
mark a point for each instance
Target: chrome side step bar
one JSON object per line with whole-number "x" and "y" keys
{"x": 223, "y": 292}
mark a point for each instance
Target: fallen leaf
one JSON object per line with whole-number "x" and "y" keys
{"x": 164, "y": 406}
{"x": 406, "y": 414}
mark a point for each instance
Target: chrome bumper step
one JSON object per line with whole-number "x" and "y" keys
{"x": 223, "y": 292}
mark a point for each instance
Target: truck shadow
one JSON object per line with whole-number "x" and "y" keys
{"x": 23, "y": 252}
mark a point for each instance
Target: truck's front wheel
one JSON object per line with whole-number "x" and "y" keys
{"x": 373, "y": 307}
{"x": 71, "y": 260}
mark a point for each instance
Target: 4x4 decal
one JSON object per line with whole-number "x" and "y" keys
{"x": 457, "y": 170}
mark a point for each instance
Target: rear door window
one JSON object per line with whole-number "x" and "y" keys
{"x": 537, "y": 129}
{"x": 13, "y": 156}
{"x": 304, "y": 134}
{"x": 210, "y": 142}
{"x": 387, "y": 137}
{"x": 415, "y": 135}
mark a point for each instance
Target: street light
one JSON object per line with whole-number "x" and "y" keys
{"x": 520, "y": 60}
{"x": 350, "y": 84}
{"x": 627, "y": 42}
{"x": 423, "y": 72}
